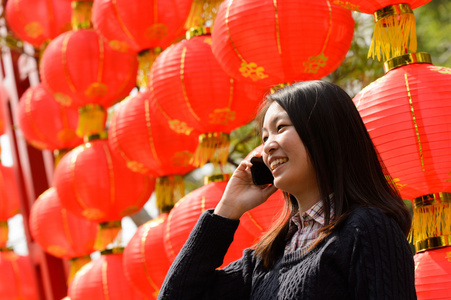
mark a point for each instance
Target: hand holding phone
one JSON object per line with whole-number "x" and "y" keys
{"x": 261, "y": 174}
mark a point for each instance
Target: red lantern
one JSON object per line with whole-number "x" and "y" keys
{"x": 145, "y": 259}
{"x": 9, "y": 201}
{"x": 407, "y": 114}
{"x": 154, "y": 148}
{"x": 186, "y": 212}
{"x": 286, "y": 41}
{"x": 103, "y": 278}
{"x": 395, "y": 31}
{"x": 45, "y": 123}
{"x": 81, "y": 70}
{"x": 16, "y": 278}
{"x": 58, "y": 231}
{"x": 140, "y": 24}
{"x": 37, "y": 22}
{"x": 433, "y": 274}
{"x": 191, "y": 88}
{"x": 92, "y": 183}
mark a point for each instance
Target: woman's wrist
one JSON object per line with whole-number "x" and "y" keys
{"x": 228, "y": 211}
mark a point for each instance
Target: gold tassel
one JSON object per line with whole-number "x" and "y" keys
{"x": 91, "y": 120}
{"x": 213, "y": 147}
{"x": 81, "y": 15}
{"x": 168, "y": 190}
{"x": 3, "y": 233}
{"x": 109, "y": 232}
{"x": 146, "y": 59}
{"x": 202, "y": 13}
{"x": 431, "y": 218}
{"x": 394, "y": 32}
{"x": 75, "y": 264}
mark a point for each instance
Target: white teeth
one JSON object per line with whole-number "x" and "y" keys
{"x": 278, "y": 162}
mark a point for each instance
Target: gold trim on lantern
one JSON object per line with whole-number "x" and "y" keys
{"x": 433, "y": 243}
{"x": 407, "y": 59}
{"x": 391, "y": 10}
{"x": 108, "y": 233}
{"x": 75, "y": 264}
{"x": 98, "y": 136}
{"x": 4, "y": 230}
{"x": 115, "y": 250}
{"x": 146, "y": 58}
{"x": 213, "y": 147}
{"x": 431, "y": 199}
{"x": 394, "y": 32}
{"x": 81, "y": 14}
{"x": 197, "y": 31}
{"x": 168, "y": 190}
{"x": 91, "y": 120}
{"x": 216, "y": 178}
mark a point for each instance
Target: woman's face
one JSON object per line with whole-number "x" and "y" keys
{"x": 285, "y": 154}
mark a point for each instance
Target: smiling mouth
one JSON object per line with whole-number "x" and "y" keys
{"x": 278, "y": 162}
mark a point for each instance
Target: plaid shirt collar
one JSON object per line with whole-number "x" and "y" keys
{"x": 315, "y": 213}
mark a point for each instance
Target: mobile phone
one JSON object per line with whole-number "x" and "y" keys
{"x": 261, "y": 174}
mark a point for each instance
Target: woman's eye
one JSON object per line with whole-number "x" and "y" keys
{"x": 264, "y": 139}
{"x": 280, "y": 127}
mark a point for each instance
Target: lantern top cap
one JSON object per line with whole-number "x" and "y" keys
{"x": 216, "y": 178}
{"x": 407, "y": 59}
{"x": 433, "y": 243}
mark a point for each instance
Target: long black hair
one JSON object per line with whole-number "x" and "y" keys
{"x": 344, "y": 157}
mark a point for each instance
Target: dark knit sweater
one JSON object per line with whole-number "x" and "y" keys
{"x": 368, "y": 257}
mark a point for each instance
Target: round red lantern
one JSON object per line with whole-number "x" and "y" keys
{"x": 160, "y": 146}
{"x": 433, "y": 274}
{"x": 16, "y": 278}
{"x": 286, "y": 41}
{"x": 37, "y": 22}
{"x": 145, "y": 259}
{"x": 407, "y": 114}
{"x": 58, "y": 231}
{"x": 45, "y": 123}
{"x": 92, "y": 183}
{"x": 82, "y": 71}
{"x": 103, "y": 278}
{"x": 191, "y": 88}
{"x": 394, "y": 32}
{"x": 186, "y": 212}
{"x": 9, "y": 201}
{"x": 140, "y": 24}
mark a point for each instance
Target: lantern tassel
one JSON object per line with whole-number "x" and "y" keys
{"x": 91, "y": 120}
{"x": 81, "y": 14}
{"x": 4, "y": 230}
{"x": 394, "y": 32}
{"x": 109, "y": 232}
{"x": 201, "y": 12}
{"x": 213, "y": 147}
{"x": 168, "y": 190}
{"x": 146, "y": 59}
{"x": 75, "y": 264}
{"x": 431, "y": 221}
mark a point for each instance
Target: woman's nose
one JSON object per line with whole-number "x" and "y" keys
{"x": 270, "y": 145}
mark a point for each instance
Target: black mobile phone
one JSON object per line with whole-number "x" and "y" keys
{"x": 261, "y": 174}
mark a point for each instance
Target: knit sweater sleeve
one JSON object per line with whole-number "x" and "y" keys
{"x": 194, "y": 273}
{"x": 382, "y": 264}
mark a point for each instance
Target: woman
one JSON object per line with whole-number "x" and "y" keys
{"x": 343, "y": 235}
